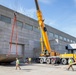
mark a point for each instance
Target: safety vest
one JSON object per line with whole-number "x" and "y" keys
{"x": 70, "y": 61}
{"x": 29, "y": 59}
{"x": 17, "y": 61}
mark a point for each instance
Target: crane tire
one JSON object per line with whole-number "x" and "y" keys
{"x": 41, "y": 60}
{"x": 48, "y": 61}
{"x": 53, "y": 60}
{"x": 64, "y": 61}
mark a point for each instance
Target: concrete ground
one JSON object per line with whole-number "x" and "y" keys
{"x": 36, "y": 69}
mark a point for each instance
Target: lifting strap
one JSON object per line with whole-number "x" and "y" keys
{"x": 13, "y": 27}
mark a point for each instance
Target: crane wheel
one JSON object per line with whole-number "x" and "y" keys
{"x": 53, "y": 60}
{"x": 41, "y": 60}
{"x": 48, "y": 61}
{"x": 64, "y": 61}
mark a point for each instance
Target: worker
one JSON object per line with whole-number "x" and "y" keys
{"x": 70, "y": 64}
{"x": 17, "y": 64}
{"x": 75, "y": 60}
{"x": 29, "y": 59}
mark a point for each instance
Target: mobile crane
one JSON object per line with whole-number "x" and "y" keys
{"x": 47, "y": 53}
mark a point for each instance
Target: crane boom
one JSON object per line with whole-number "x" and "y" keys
{"x": 43, "y": 28}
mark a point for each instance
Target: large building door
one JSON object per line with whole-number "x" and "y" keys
{"x": 13, "y": 49}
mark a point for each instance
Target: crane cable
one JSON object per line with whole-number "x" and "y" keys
{"x": 16, "y": 38}
{"x": 13, "y": 27}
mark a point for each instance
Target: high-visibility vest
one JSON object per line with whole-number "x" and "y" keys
{"x": 70, "y": 61}
{"x": 29, "y": 59}
{"x": 17, "y": 61}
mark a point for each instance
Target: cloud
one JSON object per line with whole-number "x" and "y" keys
{"x": 75, "y": 1}
{"x": 50, "y": 22}
{"x": 69, "y": 30}
{"x": 47, "y": 1}
{"x": 29, "y": 12}
{"x": 19, "y": 8}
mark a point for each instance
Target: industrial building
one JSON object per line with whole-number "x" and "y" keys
{"x": 28, "y": 35}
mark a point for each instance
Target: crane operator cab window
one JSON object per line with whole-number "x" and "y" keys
{"x": 46, "y": 52}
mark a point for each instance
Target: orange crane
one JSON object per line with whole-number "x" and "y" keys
{"x": 42, "y": 28}
{"x": 47, "y": 52}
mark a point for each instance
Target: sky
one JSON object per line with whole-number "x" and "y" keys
{"x": 59, "y": 14}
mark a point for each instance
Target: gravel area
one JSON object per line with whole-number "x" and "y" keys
{"x": 36, "y": 69}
